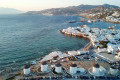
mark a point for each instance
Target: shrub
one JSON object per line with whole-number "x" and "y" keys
{"x": 104, "y": 43}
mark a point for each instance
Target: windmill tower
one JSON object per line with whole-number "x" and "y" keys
{"x": 96, "y": 67}
{"x": 95, "y": 61}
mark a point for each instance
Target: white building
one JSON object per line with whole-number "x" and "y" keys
{"x": 113, "y": 47}
{"x": 58, "y": 68}
{"x": 110, "y": 49}
{"x": 73, "y": 53}
{"x": 113, "y": 70}
{"x": 26, "y": 69}
{"x": 118, "y": 56}
{"x": 73, "y": 69}
{"x": 44, "y": 67}
{"x": 82, "y": 70}
{"x": 96, "y": 69}
{"x": 116, "y": 14}
{"x": 115, "y": 17}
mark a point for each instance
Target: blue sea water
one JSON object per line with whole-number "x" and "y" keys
{"x": 27, "y": 37}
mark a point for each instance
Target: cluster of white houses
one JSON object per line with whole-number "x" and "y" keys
{"x": 109, "y": 36}
{"x": 115, "y": 17}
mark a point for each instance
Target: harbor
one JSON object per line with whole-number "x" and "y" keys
{"x": 59, "y": 40}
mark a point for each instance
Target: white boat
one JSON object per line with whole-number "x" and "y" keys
{"x": 113, "y": 27}
{"x": 89, "y": 21}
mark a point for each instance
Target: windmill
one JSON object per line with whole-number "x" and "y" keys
{"x": 95, "y": 60}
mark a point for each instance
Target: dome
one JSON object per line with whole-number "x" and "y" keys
{"x": 58, "y": 65}
{"x": 73, "y": 65}
{"x": 44, "y": 63}
{"x": 96, "y": 65}
{"x": 27, "y": 66}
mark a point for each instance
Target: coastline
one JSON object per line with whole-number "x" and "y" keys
{"x": 82, "y": 35}
{"x": 87, "y": 46}
{"x": 91, "y": 18}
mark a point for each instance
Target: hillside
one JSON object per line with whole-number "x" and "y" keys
{"x": 100, "y": 11}
{"x": 64, "y": 11}
{"x": 72, "y": 10}
{"x": 9, "y": 11}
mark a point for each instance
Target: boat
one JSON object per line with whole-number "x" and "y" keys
{"x": 90, "y": 21}
{"x": 72, "y": 21}
{"x": 113, "y": 27}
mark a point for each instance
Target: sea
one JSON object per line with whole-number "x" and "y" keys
{"x": 24, "y": 38}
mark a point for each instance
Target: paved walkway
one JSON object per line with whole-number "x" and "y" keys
{"x": 88, "y": 45}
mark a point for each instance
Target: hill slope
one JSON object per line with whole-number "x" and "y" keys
{"x": 64, "y": 11}
{"x": 9, "y": 11}
{"x": 72, "y": 10}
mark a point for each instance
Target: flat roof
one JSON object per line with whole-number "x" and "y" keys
{"x": 110, "y": 57}
{"x": 86, "y": 64}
